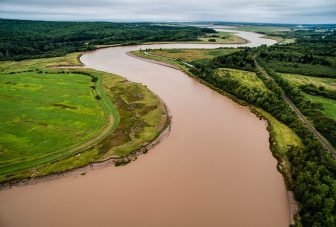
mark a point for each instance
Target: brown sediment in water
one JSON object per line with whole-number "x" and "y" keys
{"x": 214, "y": 169}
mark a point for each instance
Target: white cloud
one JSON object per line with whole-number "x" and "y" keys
{"x": 285, "y": 11}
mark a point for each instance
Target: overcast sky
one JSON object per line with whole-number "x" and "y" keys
{"x": 283, "y": 11}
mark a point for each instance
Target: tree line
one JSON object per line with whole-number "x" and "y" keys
{"x": 21, "y": 39}
{"x": 313, "y": 54}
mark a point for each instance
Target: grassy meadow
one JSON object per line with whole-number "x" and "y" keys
{"x": 298, "y": 80}
{"x": 55, "y": 119}
{"x": 245, "y": 78}
{"x": 329, "y": 84}
{"x": 329, "y": 105}
{"x": 42, "y": 114}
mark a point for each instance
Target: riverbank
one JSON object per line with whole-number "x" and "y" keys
{"x": 277, "y": 130}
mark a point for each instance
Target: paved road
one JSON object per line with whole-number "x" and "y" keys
{"x": 310, "y": 126}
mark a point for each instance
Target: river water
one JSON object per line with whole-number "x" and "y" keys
{"x": 214, "y": 169}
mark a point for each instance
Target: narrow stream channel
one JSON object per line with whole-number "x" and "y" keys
{"x": 214, "y": 169}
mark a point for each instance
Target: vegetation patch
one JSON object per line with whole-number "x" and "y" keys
{"x": 245, "y": 78}
{"x": 36, "y": 125}
{"x": 282, "y": 136}
{"x": 328, "y": 105}
{"x": 222, "y": 38}
{"x": 323, "y": 87}
{"x": 52, "y": 120}
{"x": 301, "y": 68}
{"x": 320, "y": 92}
{"x": 192, "y": 55}
{"x": 299, "y": 80}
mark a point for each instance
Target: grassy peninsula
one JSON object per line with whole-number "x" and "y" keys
{"x": 59, "y": 116}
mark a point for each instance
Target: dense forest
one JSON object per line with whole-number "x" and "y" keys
{"x": 313, "y": 54}
{"x": 313, "y": 169}
{"x": 35, "y": 39}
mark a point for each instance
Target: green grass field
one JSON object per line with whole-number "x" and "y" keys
{"x": 221, "y": 38}
{"x": 297, "y": 80}
{"x": 329, "y": 105}
{"x": 55, "y": 119}
{"x": 245, "y": 78}
{"x": 42, "y": 114}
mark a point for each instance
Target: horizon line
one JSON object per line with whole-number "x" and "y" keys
{"x": 164, "y": 21}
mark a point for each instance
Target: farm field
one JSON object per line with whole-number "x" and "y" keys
{"x": 297, "y": 80}
{"x": 56, "y": 118}
{"x": 329, "y": 84}
{"x": 329, "y": 105}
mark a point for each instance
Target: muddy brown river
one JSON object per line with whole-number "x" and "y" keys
{"x": 214, "y": 169}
